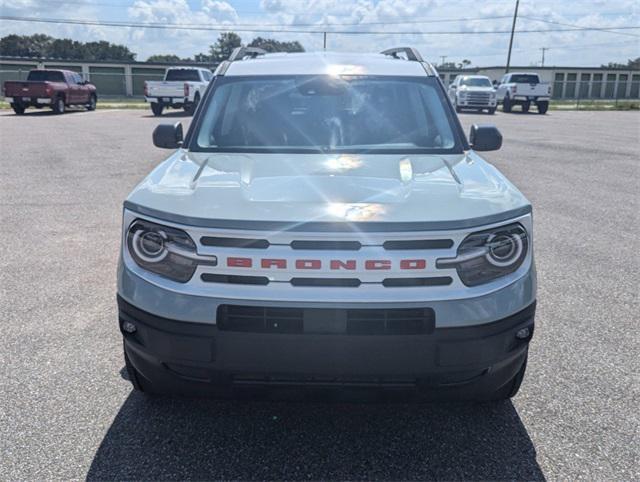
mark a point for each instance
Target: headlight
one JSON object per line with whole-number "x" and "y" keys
{"x": 166, "y": 251}
{"x": 488, "y": 255}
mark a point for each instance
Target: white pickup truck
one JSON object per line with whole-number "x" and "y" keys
{"x": 182, "y": 88}
{"x": 523, "y": 88}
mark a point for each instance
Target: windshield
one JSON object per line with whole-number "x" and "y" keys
{"x": 476, "y": 82}
{"x": 328, "y": 114}
{"x": 45, "y": 76}
{"x": 525, "y": 79}
{"x": 183, "y": 75}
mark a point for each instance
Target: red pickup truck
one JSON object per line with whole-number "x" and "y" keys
{"x": 53, "y": 88}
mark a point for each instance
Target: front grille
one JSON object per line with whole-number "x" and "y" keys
{"x": 407, "y": 282}
{"x": 258, "y": 319}
{"x": 325, "y": 282}
{"x": 478, "y": 98}
{"x": 222, "y": 242}
{"x": 251, "y": 243}
{"x": 418, "y": 244}
{"x": 300, "y": 261}
{"x": 327, "y": 245}
{"x": 234, "y": 279}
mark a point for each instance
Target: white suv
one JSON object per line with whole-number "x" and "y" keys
{"x": 473, "y": 92}
{"x": 326, "y": 222}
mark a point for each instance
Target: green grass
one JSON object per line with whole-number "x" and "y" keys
{"x": 106, "y": 104}
{"x": 608, "y": 104}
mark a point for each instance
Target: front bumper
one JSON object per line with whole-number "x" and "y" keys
{"x": 185, "y": 357}
{"x": 530, "y": 98}
{"x": 471, "y": 104}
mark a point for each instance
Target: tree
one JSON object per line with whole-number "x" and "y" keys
{"x": 632, "y": 64}
{"x": 40, "y": 45}
{"x": 202, "y": 58}
{"x": 271, "y": 45}
{"x": 223, "y": 47}
{"x": 166, "y": 58}
{"x": 464, "y": 64}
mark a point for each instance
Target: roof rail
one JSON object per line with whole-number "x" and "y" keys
{"x": 240, "y": 53}
{"x": 411, "y": 53}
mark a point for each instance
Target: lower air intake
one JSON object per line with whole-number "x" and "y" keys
{"x": 262, "y": 319}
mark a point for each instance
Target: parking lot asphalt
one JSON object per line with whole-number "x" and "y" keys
{"x": 66, "y": 411}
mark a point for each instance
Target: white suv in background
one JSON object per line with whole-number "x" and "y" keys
{"x": 473, "y": 92}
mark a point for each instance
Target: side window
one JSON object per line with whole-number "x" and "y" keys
{"x": 206, "y": 75}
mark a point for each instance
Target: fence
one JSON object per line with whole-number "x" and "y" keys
{"x": 128, "y": 81}
{"x": 597, "y": 90}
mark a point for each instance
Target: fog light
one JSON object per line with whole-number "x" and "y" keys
{"x": 128, "y": 327}
{"x": 523, "y": 333}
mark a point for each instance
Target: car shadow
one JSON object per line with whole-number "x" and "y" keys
{"x": 177, "y": 113}
{"x": 43, "y": 112}
{"x": 202, "y": 439}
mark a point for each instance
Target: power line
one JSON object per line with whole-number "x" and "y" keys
{"x": 283, "y": 28}
{"x": 601, "y": 29}
{"x": 569, "y": 47}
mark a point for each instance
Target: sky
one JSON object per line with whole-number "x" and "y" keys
{"x": 396, "y": 23}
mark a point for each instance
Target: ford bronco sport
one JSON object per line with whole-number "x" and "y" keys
{"x": 325, "y": 222}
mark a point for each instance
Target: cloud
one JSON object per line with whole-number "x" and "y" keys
{"x": 354, "y": 15}
{"x": 272, "y": 6}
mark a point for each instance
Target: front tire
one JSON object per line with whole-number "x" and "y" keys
{"x": 18, "y": 109}
{"x": 157, "y": 108}
{"x": 526, "y": 106}
{"x": 191, "y": 107}
{"x": 58, "y": 105}
{"x": 543, "y": 106}
{"x": 93, "y": 100}
{"x": 492, "y": 111}
{"x": 506, "y": 105}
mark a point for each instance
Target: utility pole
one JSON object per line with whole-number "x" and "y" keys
{"x": 324, "y": 41}
{"x": 513, "y": 29}
{"x": 443, "y": 57}
{"x": 544, "y": 49}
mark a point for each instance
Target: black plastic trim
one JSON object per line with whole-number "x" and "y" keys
{"x": 234, "y": 279}
{"x": 417, "y": 244}
{"x": 408, "y": 282}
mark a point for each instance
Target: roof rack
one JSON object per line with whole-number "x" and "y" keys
{"x": 411, "y": 53}
{"x": 240, "y": 53}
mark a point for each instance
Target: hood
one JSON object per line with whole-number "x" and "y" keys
{"x": 326, "y": 188}
{"x": 467, "y": 88}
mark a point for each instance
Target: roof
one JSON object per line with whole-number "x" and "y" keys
{"x": 332, "y": 63}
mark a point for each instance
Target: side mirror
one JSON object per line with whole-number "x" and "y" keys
{"x": 168, "y": 136}
{"x": 495, "y": 83}
{"x": 485, "y": 138}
